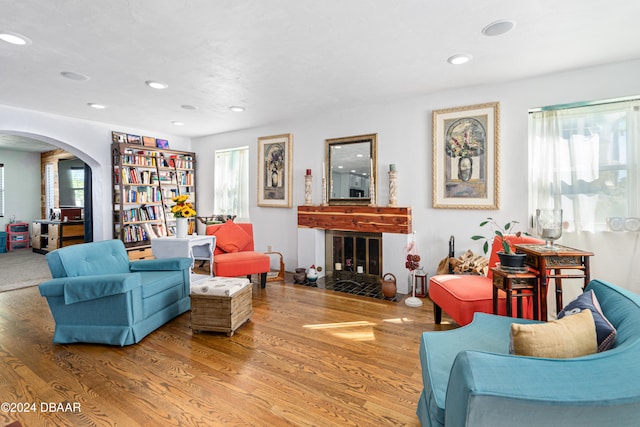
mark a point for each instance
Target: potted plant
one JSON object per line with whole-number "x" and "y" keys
{"x": 508, "y": 257}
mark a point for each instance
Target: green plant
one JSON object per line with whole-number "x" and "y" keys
{"x": 499, "y": 232}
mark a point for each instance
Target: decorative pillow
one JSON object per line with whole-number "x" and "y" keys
{"x": 605, "y": 331}
{"x": 573, "y": 336}
{"x": 230, "y": 237}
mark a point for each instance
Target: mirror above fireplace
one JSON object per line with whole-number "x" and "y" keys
{"x": 351, "y": 162}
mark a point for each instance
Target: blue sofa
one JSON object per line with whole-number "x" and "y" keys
{"x": 98, "y": 296}
{"x": 470, "y": 379}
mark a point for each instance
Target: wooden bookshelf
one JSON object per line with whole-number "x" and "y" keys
{"x": 144, "y": 180}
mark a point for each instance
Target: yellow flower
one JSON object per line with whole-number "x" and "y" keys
{"x": 180, "y": 199}
{"x": 182, "y": 208}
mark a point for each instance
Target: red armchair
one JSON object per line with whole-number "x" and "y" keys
{"x": 461, "y": 295}
{"x": 234, "y": 255}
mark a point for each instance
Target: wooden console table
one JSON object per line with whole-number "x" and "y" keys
{"x": 549, "y": 263}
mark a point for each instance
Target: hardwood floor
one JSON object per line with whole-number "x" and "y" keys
{"x": 308, "y": 357}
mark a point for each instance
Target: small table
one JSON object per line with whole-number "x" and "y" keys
{"x": 558, "y": 258}
{"x": 194, "y": 247}
{"x": 515, "y": 285}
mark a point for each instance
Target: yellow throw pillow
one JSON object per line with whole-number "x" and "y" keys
{"x": 571, "y": 336}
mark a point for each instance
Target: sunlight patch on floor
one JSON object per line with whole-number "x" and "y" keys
{"x": 354, "y": 331}
{"x": 399, "y": 320}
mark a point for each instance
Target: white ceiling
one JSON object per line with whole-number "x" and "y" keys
{"x": 284, "y": 59}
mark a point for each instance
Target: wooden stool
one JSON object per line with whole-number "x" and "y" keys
{"x": 516, "y": 285}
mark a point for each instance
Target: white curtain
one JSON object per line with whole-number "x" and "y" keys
{"x": 585, "y": 161}
{"x": 231, "y": 183}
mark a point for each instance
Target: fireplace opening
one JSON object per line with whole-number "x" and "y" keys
{"x": 352, "y": 255}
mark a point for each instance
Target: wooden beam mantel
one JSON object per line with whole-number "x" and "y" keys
{"x": 372, "y": 219}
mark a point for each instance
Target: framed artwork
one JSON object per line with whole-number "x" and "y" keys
{"x": 118, "y": 137}
{"x": 466, "y": 157}
{"x": 134, "y": 139}
{"x": 162, "y": 143}
{"x": 148, "y": 141}
{"x": 274, "y": 171}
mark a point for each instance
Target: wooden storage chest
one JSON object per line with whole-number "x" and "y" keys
{"x": 222, "y": 313}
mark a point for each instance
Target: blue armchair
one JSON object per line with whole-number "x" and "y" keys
{"x": 470, "y": 379}
{"x": 98, "y": 296}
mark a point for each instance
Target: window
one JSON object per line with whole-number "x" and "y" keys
{"x": 50, "y": 183}
{"x": 585, "y": 160}
{"x": 76, "y": 177}
{"x": 1, "y": 190}
{"x": 231, "y": 183}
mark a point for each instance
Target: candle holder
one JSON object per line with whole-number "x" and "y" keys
{"x": 549, "y": 225}
{"x": 324, "y": 192}
{"x": 308, "y": 179}
{"x": 372, "y": 192}
{"x": 393, "y": 188}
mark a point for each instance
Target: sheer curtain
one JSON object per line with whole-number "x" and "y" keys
{"x": 231, "y": 183}
{"x": 586, "y": 161}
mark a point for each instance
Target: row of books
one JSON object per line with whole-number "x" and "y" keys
{"x": 186, "y": 179}
{"x": 145, "y": 232}
{"x": 151, "y": 158}
{"x": 142, "y": 195}
{"x": 143, "y": 213}
{"x": 137, "y": 159}
{"x": 134, "y": 233}
{"x": 132, "y": 175}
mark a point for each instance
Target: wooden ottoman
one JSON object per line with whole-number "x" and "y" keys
{"x": 221, "y": 304}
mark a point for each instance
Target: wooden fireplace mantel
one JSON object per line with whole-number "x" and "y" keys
{"x": 372, "y": 219}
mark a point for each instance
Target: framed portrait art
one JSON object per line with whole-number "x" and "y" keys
{"x": 466, "y": 157}
{"x": 274, "y": 171}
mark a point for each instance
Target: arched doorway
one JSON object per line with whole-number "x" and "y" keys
{"x": 51, "y": 152}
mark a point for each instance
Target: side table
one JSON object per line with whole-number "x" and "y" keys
{"x": 558, "y": 258}
{"x": 194, "y": 247}
{"x": 516, "y": 285}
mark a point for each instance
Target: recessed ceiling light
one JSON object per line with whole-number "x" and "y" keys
{"x": 156, "y": 85}
{"x": 176, "y": 123}
{"x": 498, "y": 28}
{"x": 189, "y": 107}
{"x": 459, "y": 59}
{"x": 14, "y": 38}
{"x": 74, "y": 76}
{"x": 97, "y": 106}
{"x": 236, "y": 109}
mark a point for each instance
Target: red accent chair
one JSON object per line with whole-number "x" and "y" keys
{"x": 462, "y": 295}
{"x": 234, "y": 255}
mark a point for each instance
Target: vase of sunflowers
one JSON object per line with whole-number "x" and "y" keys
{"x": 182, "y": 210}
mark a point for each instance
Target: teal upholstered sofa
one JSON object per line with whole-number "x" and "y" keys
{"x": 98, "y": 296}
{"x": 470, "y": 379}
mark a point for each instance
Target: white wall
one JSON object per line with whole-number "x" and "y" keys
{"x": 22, "y": 200}
{"x": 404, "y": 138}
{"x": 89, "y": 141}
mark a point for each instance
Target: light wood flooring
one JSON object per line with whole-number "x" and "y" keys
{"x": 308, "y": 357}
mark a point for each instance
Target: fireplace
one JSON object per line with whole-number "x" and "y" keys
{"x": 359, "y": 233}
{"x": 352, "y": 255}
